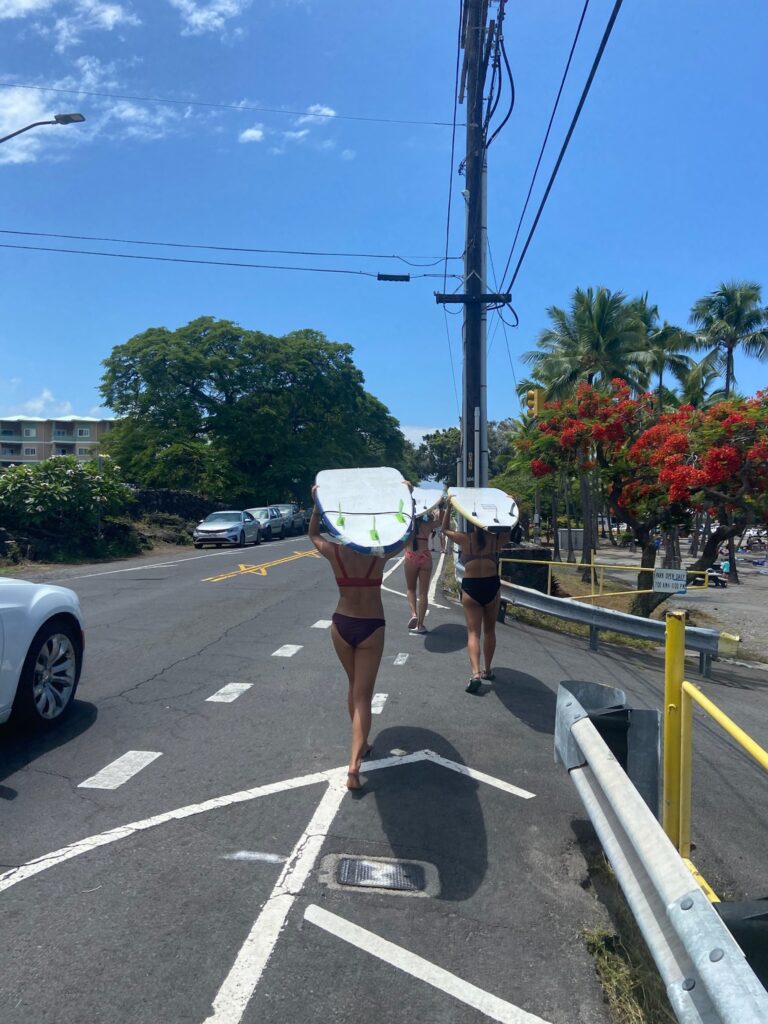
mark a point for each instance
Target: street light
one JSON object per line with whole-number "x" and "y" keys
{"x": 57, "y": 119}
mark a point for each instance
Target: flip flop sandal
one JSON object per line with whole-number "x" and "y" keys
{"x": 489, "y": 675}
{"x": 412, "y": 622}
{"x": 474, "y": 684}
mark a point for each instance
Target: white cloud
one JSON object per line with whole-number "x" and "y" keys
{"x": 327, "y": 144}
{"x": 254, "y": 134}
{"x": 21, "y": 8}
{"x": 417, "y": 434}
{"x": 348, "y": 154}
{"x": 200, "y": 16}
{"x": 318, "y": 113}
{"x": 296, "y": 136}
{"x": 45, "y": 404}
{"x": 88, "y": 16}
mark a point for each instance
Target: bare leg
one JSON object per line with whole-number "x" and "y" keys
{"x": 490, "y": 613}
{"x": 425, "y": 574}
{"x": 411, "y": 576}
{"x": 346, "y": 656}
{"x": 473, "y": 613}
{"x": 367, "y": 660}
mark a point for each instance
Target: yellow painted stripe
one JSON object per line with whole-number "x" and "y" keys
{"x": 262, "y": 568}
{"x": 707, "y": 889}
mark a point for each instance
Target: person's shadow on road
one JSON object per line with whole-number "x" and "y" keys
{"x": 526, "y": 697}
{"x": 431, "y": 812}
{"x": 21, "y": 745}
{"x": 446, "y": 638}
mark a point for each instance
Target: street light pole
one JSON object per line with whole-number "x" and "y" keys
{"x": 57, "y": 119}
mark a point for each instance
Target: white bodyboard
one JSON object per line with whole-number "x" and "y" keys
{"x": 368, "y": 509}
{"x": 488, "y": 508}
{"x": 426, "y": 499}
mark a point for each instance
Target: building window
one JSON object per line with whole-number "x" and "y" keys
{"x": 61, "y": 451}
{"x": 30, "y": 451}
{"x": 5, "y": 432}
{"x": 59, "y": 432}
{"x": 83, "y": 431}
{"x": 83, "y": 451}
{"x": 30, "y": 431}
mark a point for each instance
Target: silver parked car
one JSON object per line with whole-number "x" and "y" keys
{"x": 265, "y": 519}
{"x": 234, "y": 528}
{"x": 41, "y": 651}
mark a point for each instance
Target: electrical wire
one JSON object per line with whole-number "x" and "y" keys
{"x": 546, "y": 136}
{"x": 453, "y": 142}
{"x": 511, "y": 86}
{"x": 582, "y": 100}
{"x": 209, "y": 263}
{"x": 222, "y": 106}
{"x": 230, "y": 248}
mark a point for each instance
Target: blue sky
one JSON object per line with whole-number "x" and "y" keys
{"x": 661, "y": 190}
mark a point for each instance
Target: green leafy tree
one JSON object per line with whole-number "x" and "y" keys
{"x": 438, "y": 454}
{"x": 729, "y": 318}
{"x": 243, "y": 415}
{"x": 62, "y": 498}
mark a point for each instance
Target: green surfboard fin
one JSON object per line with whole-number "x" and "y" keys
{"x": 340, "y": 518}
{"x": 374, "y": 531}
{"x": 399, "y": 514}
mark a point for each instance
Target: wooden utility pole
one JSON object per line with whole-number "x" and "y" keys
{"x": 477, "y": 41}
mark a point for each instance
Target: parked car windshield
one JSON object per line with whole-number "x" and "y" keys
{"x": 223, "y": 517}
{"x": 259, "y": 513}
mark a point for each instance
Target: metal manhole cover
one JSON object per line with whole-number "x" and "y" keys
{"x": 403, "y": 876}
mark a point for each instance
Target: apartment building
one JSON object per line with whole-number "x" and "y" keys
{"x": 26, "y": 439}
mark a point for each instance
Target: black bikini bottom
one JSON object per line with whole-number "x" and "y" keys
{"x": 482, "y": 589}
{"x": 354, "y": 631}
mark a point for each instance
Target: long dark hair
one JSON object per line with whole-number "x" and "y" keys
{"x": 480, "y": 534}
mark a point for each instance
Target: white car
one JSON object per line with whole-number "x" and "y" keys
{"x": 233, "y": 528}
{"x": 41, "y": 651}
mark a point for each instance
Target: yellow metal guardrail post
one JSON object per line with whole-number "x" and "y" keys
{"x": 686, "y": 774}
{"x": 674, "y": 671}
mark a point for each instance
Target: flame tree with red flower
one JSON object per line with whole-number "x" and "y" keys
{"x": 659, "y": 470}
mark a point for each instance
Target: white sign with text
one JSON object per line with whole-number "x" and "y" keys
{"x": 670, "y": 581}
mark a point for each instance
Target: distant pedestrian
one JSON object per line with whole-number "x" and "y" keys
{"x": 481, "y": 594}
{"x": 357, "y": 632}
{"x": 418, "y": 570}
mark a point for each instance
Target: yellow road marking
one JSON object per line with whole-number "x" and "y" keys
{"x": 262, "y": 568}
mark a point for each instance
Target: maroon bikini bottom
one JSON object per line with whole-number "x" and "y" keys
{"x": 354, "y": 631}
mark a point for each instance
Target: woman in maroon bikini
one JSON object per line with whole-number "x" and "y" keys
{"x": 357, "y": 633}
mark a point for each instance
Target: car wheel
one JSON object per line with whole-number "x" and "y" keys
{"x": 257, "y": 539}
{"x": 269, "y": 533}
{"x": 198, "y": 546}
{"x": 241, "y": 540}
{"x": 282, "y": 532}
{"x": 50, "y": 674}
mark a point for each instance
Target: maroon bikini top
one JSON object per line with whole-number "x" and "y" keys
{"x": 356, "y": 581}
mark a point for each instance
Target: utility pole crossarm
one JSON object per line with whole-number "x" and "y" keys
{"x": 446, "y": 298}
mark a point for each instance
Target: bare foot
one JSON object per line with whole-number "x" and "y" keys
{"x": 353, "y": 780}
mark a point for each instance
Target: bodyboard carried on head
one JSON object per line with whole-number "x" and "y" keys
{"x": 487, "y": 508}
{"x": 370, "y": 510}
{"x": 426, "y": 499}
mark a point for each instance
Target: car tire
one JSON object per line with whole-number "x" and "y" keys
{"x": 282, "y": 532}
{"x": 257, "y": 541}
{"x": 241, "y": 540}
{"x": 198, "y": 546}
{"x": 47, "y": 684}
{"x": 268, "y": 535}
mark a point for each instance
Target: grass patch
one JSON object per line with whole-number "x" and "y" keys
{"x": 550, "y": 622}
{"x": 633, "y": 988}
{"x": 448, "y": 579}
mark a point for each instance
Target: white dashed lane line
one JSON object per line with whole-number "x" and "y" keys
{"x": 229, "y": 693}
{"x": 322, "y": 624}
{"x": 378, "y": 702}
{"x": 287, "y": 651}
{"x": 121, "y": 770}
{"x": 400, "y": 659}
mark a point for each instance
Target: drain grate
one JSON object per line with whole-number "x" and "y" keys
{"x": 403, "y": 876}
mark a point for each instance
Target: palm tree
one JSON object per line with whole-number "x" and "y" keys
{"x": 732, "y": 317}
{"x": 665, "y": 347}
{"x": 697, "y": 380}
{"x": 599, "y": 337}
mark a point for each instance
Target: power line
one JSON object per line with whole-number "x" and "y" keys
{"x": 230, "y": 248}
{"x": 453, "y": 142}
{"x": 503, "y": 51}
{"x": 223, "y": 106}
{"x": 582, "y": 100}
{"x": 209, "y": 263}
{"x": 546, "y": 137}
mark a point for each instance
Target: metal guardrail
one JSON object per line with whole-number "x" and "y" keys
{"x": 707, "y": 977}
{"x": 704, "y": 641}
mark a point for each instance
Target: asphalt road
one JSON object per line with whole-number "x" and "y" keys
{"x": 200, "y": 885}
